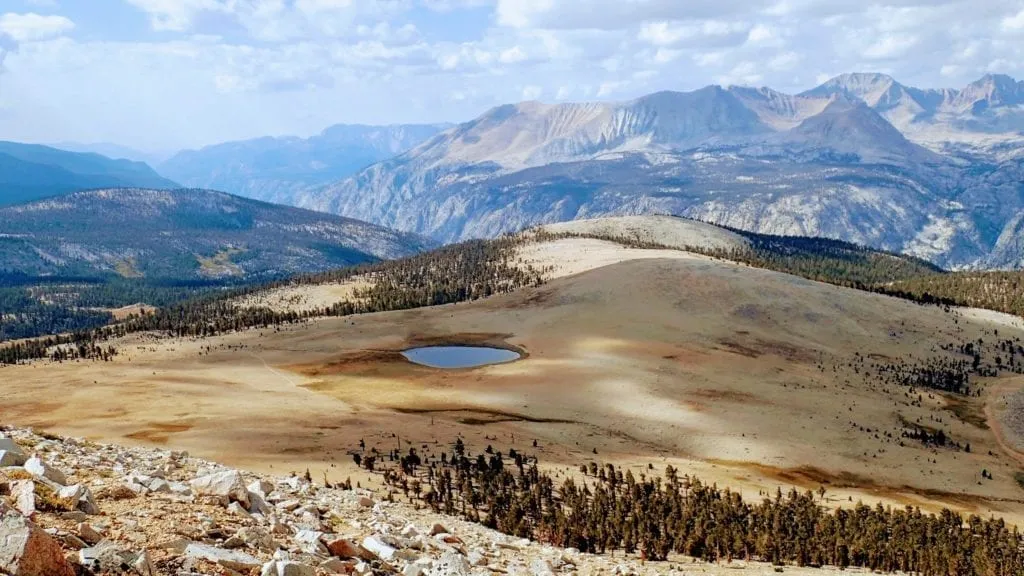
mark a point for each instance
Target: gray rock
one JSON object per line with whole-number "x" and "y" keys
{"x": 37, "y": 467}
{"x": 26, "y": 550}
{"x": 335, "y": 566}
{"x": 289, "y": 568}
{"x": 227, "y": 484}
{"x": 261, "y": 487}
{"x": 110, "y": 558}
{"x": 143, "y": 565}
{"x": 258, "y": 505}
{"x": 24, "y": 494}
{"x": 309, "y": 541}
{"x": 257, "y": 538}
{"x": 237, "y": 509}
{"x": 541, "y": 567}
{"x": 232, "y": 559}
{"x": 450, "y": 564}
{"x": 379, "y": 548}
{"x": 159, "y": 486}
{"x": 10, "y": 453}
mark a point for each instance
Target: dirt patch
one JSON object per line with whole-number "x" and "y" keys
{"x": 810, "y": 477}
{"x": 480, "y": 416}
{"x": 158, "y": 433}
{"x": 363, "y": 361}
{"x": 757, "y": 348}
{"x": 972, "y": 413}
{"x": 726, "y": 395}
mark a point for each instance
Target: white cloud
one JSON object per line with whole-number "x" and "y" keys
{"x": 532, "y": 92}
{"x": 1013, "y": 23}
{"x": 890, "y": 46}
{"x": 175, "y": 15}
{"x": 32, "y": 26}
{"x": 512, "y": 55}
{"x": 242, "y": 68}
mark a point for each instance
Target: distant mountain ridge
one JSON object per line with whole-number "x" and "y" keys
{"x": 275, "y": 169}
{"x": 185, "y": 234}
{"x": 31, "y": 171}
{"x": 861, "y": 158}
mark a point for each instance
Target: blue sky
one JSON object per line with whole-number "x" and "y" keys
{"x": 161, "y": 75}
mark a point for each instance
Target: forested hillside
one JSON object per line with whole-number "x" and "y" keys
{"x": 30, "y": 172}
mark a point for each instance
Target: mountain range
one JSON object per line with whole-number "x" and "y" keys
{"x": 863, "y": 158}
{"x": 274, "y": 169}
{"x": 185, "y": 234}
{"x": 30, "y": 172}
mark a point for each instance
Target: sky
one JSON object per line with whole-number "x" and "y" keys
{"x": 162, "y": 75}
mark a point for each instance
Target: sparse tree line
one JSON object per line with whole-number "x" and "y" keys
{"x": 457, "y": 273}
{"x": 611, "y": 510}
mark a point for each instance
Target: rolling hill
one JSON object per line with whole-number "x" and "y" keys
{"x": 184, "y": 234}
{"x": 934, "y": 174}
{"x": 29, "y": 172}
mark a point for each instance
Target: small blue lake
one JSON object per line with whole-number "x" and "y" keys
{"x": 452, "y": 357}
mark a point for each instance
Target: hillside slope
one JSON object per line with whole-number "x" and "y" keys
{"x": 181, "y": 234}
{"x": 29, "y": 172}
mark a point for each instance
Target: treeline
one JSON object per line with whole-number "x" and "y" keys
{"x": 23, "y": 315}
{"x": 610, "y": 509}
{"x": 820, "y": 259}
{"x": 456, "y": 273}
{"x": 1000, "y": 291}
{"x": 39, "y": 306}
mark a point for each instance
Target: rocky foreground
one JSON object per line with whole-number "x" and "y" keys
{"x": 72, "y": 507}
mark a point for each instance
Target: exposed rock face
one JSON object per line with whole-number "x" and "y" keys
{"x": 10, "y": 453}
{"x": 26, "y": 550}
{"x": 932, "y": 173}
{"x": 228, "y": 485}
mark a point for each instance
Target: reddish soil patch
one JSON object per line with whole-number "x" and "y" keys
{"x": 158, "y": 433}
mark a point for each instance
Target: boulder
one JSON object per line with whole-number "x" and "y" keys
{"x": 366, "y": 502}
{"x": 82, "y": 497}
{"x": 231, "y": 559}
{"x": 258, "y": 505}
{"x": 257, "y": 538}
{"x": 88, "y": 534}
{"x": 335, "y": 566}
{"x": 238, "y": 510}
{"x": 227, "y": 484}
{"x": 26, "y": 550}
{"x": 109, "y": 558}
{"x": 261, "y": 487}
{"x": 23, "y": 492}
{"x": 37, "y": 467}
{"x": 290, "y": 568}
{"x": 309, "y": 541}
{"x": 379, "y": 548}
{"x": 159, "y": 486}
{"x": 438, "y": 528}
{"x": 345, "y": 548}
{"x": 450, "y": 564}
{"x": 10, "y": 453}
{"x": 143, "y": 565}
